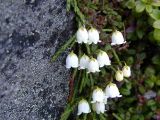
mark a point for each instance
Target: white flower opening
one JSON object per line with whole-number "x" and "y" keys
{"x": 117, "y": 38}
{"x": 111, "y": 91}
{"x": 98, "y": 95}
{"x": 83, "y": 63}
{"x": 126, "y": 71}
{"x": 83, "y": 107}
{"x": 72, "y": 60}
{"x": 98, "y": 107}
{"x": 119, "y": 75}
{"x": 93, "y": 36}
{"x": 103, "y": 59}
{"x": 82, "y": 35}
{"x": 93, "y": 66}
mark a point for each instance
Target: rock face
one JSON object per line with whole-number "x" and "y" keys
{"x": 31, "y": 31}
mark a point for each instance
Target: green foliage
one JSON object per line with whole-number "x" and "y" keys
{"x": 139, "y": 20}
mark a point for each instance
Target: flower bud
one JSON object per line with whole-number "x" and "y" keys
{"x": 126, "y": 71}
{"x": 97, "y": 95}
{"x": 99, "y": 107}
{"x": 84, "y": 60}
{"x": 119, "y": 75}
{"x": 103, "y": 59}
{"x": 93, "y": 66}
{"x": 111, "y": 91}
{"x": 117, "y": 38}
{"x": 83, "y": 107}
{"x": 82, "y": 35}
{"x": 72, "y": 61}
{"x": 93, "y": 36}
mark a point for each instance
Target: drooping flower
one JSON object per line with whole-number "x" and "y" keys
{"x": 117, "y": 38}
{"x": 126, "y": 71}
{"x": 82, "y": 35}
{"x": 99, "y": 107}
{"x": 103, "y": 59}
{"x": 98, "y": 95}
{"x": 93, "y": 66}
{"x": 93, "y": 36}
{"x": 119, "y": 75}
{"x": 83, "y": 63}
{"x": 83, "y": 107}
{"x": 111, "y": 91}
{"x": 72, "y": 60}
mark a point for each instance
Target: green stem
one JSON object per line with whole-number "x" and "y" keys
{"x": 68, "y": 5}
{"x": 71, "y": 41}
{"x": 82, "y": 82}
{"x": 78, "y": 12}
{"x": 88, "y": 49}
{"x": 113, "y": 68}
{"x": 102, "y": 117}
{"x": 85, "y": 117}
{"x": 94, "y": 116}
{"x": 116, "y": 56}
{"x": 68, "y": 111}
{"x": 92, "y": 81}
{"x": 116, "y": 116}
{"x": 76, "y": 86}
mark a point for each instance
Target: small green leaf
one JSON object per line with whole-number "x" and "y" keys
{"x": 149, "y": 83}
{"x": 156, "y": 3}
{"x": 129, "y": 85}
{"x": 108, "y": 47}
{"x": 156, "y": 60}
{"x": 130, "y": 60}
{"x": 149, "y": 8}
{"x": 140, "y": 6}
{"x": 141, "y": 89}
{"x": 156, "y": 24}
{"x": 144, "y": 1}
{"x": 131, "y": 51}
{"x": 149, "y": 71}
{"x": 125, "y": 91}
{"x": 130, "y": 4}
{"x": 151, "y": 103}
{"x": 157, "y": 81}
{"x": 155, "y": 14}
{"x": 140, "y": 33}
{"x": 156, "y": 34}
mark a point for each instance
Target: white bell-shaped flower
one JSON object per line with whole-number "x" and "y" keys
{"x": 82, "y": 35}
{"x": 93, "y": 66}
{"x": 99, "y": 107}
{"x": 72, "y": 60}
{"x": 111, "y": 91}
{"x": 103, "y": 59}
{"x": 83, "y": 107}
{"x": 83, "y": 63}
{"x": 93, "y": 36}
{"x": 98, "y": 95}
{"x": 117, "y": 38}
{"x": 126, "y": 71}
{"x": 119, "y": 75}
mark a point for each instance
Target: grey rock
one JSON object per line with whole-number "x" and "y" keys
{"x": 32, "y": 88}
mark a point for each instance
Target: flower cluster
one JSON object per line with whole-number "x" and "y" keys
{"x": 91, "y": 64}
{"x": 125, "y": 72}
{"x": 99, "y": 96}
{"x": 90, "y": 36}
{"x": 99, "y": 99}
